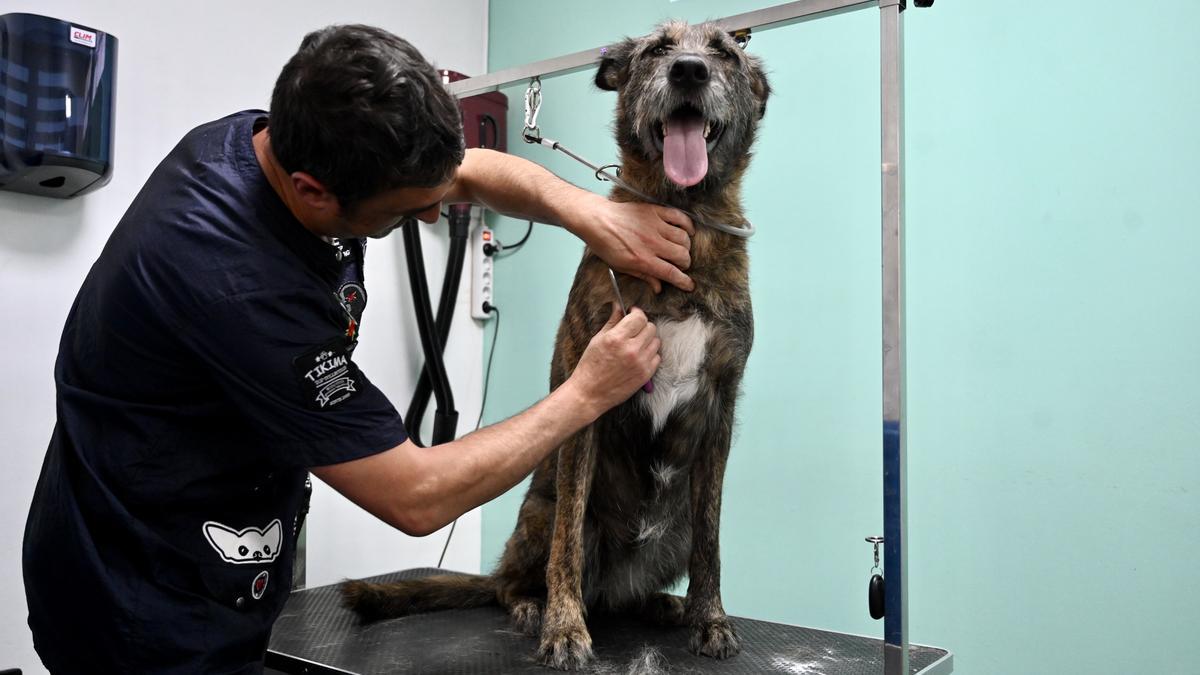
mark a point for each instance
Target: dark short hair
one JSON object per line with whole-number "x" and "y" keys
{"x": 362, "y": 111}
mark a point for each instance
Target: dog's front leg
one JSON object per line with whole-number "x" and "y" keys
{"x": 712, "y": 632}
{"x": 565, "y": 642}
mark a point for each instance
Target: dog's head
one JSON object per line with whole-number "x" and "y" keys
{"x": 689, "y": 102}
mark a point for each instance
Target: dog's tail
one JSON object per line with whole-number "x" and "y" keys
{"x": 373, "y": 602}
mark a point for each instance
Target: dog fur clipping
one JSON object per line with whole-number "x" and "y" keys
{"x": 631, "y": 503}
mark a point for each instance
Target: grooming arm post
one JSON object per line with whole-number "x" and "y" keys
{"x": 895, "y": 514}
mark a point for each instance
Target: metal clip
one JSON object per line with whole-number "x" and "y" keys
{"x": 876, "y": 541}
{"x": 533, "y": 105}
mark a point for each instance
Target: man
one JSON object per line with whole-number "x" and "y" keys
{"x": 206, "y": 367}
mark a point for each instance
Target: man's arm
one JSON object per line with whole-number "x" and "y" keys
{"x": 420, "y": 490}
{"x": 645, "y": 240}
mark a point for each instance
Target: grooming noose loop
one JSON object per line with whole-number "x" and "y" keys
{"x": 601, "y": 174}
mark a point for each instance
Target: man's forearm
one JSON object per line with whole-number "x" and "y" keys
{"x": 518, "y": 188}
{"x": 479, "y": 467}
{"x": 419, "y": 490}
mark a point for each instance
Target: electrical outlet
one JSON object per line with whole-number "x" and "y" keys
{"x": 482, "y": 267}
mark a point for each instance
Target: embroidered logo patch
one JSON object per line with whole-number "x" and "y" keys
{"x": 260, "y": 585}
{"x": 248, "y": 546}
{"x": 353, "y": 299}
{"x": 327, "y": 375}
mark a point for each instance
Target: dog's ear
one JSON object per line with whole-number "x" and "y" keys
{"x": 614, "y": 64}
{"x": 759, "y": 84}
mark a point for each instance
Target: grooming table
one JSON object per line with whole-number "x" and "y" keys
{"x": 316, "y": 636}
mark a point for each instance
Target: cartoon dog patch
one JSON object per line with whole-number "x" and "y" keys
{"x": 248, "y": 546}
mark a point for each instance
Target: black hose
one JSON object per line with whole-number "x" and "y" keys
{"x": 460, "y": 219}
{"x": 460, "y": 222}
{"x": 445, "y": 421}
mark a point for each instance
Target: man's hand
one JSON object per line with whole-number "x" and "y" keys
{"x": 643, "y": 240}
{"x": 647, "y": 241}
{"x": 619, "y": 360}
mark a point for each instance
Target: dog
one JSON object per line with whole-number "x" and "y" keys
{"x": 631, "y": 503}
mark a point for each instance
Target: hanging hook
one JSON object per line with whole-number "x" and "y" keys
{"x": 533, "y": 105}
{"x": 876, "y": 541}
{"x": 875, "y": 588}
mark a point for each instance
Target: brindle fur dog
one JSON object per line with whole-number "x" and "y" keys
{"x": 630, "y": 504}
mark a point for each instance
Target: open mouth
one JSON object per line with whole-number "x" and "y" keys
{"x": 685, "y": 137}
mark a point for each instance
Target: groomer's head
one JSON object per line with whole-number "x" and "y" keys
{"x": 361, "y": 111}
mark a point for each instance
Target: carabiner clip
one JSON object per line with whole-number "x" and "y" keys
{"x": 533, "y": 105}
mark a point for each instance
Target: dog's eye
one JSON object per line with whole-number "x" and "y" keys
{"x": 722, "y": 52}
{"x": 660, "y": 50}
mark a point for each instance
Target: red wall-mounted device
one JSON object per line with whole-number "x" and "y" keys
{"x": 484, "y": 116}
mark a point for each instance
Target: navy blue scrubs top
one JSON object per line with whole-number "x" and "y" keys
{"x": 204, "y": 367}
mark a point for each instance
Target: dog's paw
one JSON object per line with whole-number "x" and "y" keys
{"x": 526, "y": 616}
{"x": 716, "y": 638}
{"x": 568, "y": 648}
{"x": 664, "y": 609}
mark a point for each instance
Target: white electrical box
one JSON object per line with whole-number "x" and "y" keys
{"x": 482, "y": 264}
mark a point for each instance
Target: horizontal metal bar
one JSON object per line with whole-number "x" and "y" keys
{"x": 790, "y": 13}
{"x": 777, "y": 16}
{"x": 560, "y": 65}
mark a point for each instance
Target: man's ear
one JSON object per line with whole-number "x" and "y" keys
{"x": 313, "y": 192}
{"x": 614, "y": 64}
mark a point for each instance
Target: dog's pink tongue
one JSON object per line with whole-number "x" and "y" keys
{"x": 685, "y": 156}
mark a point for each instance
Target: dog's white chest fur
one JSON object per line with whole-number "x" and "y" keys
{"x": 684, "y": 346}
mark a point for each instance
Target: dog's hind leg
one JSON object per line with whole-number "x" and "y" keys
{"x": 521, "y": 574}
{"x": 526, "y": 615}
{"x": 565, "y": 642}
{"x": 663, "y": 609}
{"x": 524, "y": 602}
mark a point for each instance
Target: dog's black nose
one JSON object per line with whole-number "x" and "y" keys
{"x": 689, "y": 71}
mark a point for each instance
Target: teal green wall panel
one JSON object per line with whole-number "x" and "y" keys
{"x": 1053, "y": 324}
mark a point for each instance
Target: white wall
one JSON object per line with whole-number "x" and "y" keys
{"x": 181, "y": 64}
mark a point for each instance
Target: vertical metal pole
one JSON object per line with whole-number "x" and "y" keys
{"x": 895, "y": 513}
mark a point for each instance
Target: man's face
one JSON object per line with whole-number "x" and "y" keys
{"x": 377, "y": 216}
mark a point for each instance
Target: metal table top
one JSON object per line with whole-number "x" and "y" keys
{"x": 315, "y": 635}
